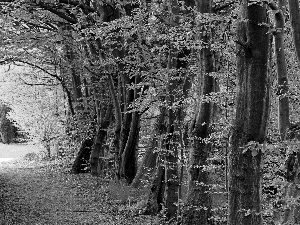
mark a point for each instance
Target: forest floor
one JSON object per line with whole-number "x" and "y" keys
{"x": 39, "y": 192}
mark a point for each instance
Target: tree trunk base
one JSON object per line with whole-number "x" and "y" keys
{"x": 80, "y": 164}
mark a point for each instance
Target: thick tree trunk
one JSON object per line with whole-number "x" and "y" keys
{"x": 83, "y": 156}
{"x": 148, "y": 163}
{"x": 295, "y": 20}
{"x": 156, "y": 195}
{"x": 171, "y": 166}
{"x": 164, "y": 187}
{"x": 283, "y": 105}
{"x": 198, "y": 204}
{"x": 168, "y": 127}
{"x": 71, "y": 63}
{"x": 147, "y": 166}
{"x": 155, "y": 199}
{"x": 290, "y": 214}
{"x": 128, "y": 166}
{"x": 252, "y": 114}
{"x": 123, "y": 138}
{"x": 129, "y": 132}
{"x": 97, "y": 154}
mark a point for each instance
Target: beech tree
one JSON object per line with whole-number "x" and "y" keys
{"x": 122, "y": 65}
{"x": 62, "y": 19}
{"x": 198, "y": 204}
{"x": 249, "y": 129}
{"x": 283, "y": 105}
{"x": 295, "y": 18}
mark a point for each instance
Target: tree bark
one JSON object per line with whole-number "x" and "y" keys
{"x": 164, "y": 187}
{"x": 97, "y": 153}
{"x": 168, "y": 130}
{"x": 82, "y": 156}
{"x": 155, "y": 199}
{"x": 128, "y": 166}
{"x": 291, "y": 213}
{"x": 295, "y": 20}
{"x": 145, "y": 170}
{"x": 156, "y": 195}
{"x": 70, "y": 58}
{"x": 282, "y": 79}
{"x": 171, "y": 167}
{"x": 148, "y": 163}
{"x": 252, "y": 114}
{"x": 198, "y": 204}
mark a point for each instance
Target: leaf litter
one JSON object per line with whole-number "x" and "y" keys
{"x": 43, "y": 192}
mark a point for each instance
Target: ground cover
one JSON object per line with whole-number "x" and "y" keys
{"x": 34, "y": 192}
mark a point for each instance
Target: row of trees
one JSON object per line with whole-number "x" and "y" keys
{"x": 162, "y": 76}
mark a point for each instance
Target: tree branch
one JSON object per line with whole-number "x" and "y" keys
{"x": 36, "y": 84}
{"x": 78, "y": 4}
{"x": 51, "y": 8}
{"x": 221, "y": 7}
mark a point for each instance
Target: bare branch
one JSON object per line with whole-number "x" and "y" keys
{"x": 37, "y": 84}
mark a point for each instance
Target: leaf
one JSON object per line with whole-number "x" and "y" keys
{"x": 254, "y": 152}
{"x": 245, "y": 150}
{"x": 270, "y": 147}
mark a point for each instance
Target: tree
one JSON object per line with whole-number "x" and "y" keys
{"x": 6, "y": 126}
{"x": 283, "y": 105}
{"x": 165, "y": 184}
{"x": 198, "y": 203}
{"x": 97, "y": 154}
{"x": 249, "y": 129}
{"x": 295, "y": 20}
{"x": 115, "y": 62}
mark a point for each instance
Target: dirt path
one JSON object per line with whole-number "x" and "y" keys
{"x": 13, "y": 151}
{"x": 34, "y": 193}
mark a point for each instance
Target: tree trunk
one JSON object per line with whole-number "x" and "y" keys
{"x": 129, "y": 132}
{"x": 82, "y": 156}
{"x": 198, "y": 204}
{"x": 149, "y": 161}
{"x": 164, "y": 187}
{"x": 97, "y": 153}
{"x": 71, "y": 64}
{"x": 252, "y": 114}
{"x": 291, "y": 212}
{"x": 168, "y": 126}
{"x": 295, "y": 20}
{"x": 145, "y": 170}
{"x": 124, "y": 134}
{"x": 171, "y": 166}
{"x": 283, "y": 105}
{"x": 128, "y": 166}
{"x": 155, "y": 199}
{"x": 156, "y": 195}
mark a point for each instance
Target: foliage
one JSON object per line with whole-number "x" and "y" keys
{"x": 37, "y": 110}
{"x": 46, "y": 44}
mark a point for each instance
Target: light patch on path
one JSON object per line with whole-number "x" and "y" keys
{"x": 15, "y": 151}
